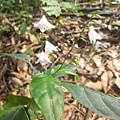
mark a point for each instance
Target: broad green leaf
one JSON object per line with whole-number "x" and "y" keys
{"x": 33, "y": 116}
{"x": 16, "y": 113}
{"x": 64, "y": 71}
{"x": 48, "y": 95}
{"x": 13, "y": 100}
{"x": 23, "y": 28}
{"x": 56, "y": 68}
{"x": 23, "y": 57}
{"x": 60, "y": 71}
{"x": 100, "y": 103}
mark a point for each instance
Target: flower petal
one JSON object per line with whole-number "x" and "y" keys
{"x": 43, "y": 59}
{"x": 50, "y": 47}
{"x": 43, "y": 24}
{"x": 93, "y": 36}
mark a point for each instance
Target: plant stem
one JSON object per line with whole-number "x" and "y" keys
{"x": 74, "y": 43}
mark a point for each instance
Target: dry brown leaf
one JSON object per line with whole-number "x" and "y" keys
{"x": 82, "y": 63}
{"x": 117, "y": 80}
{"x": 16, "y": 81}
{"x": 33, "y": 38}
{"x": 117, "y": 64}
{"x": 110, "y": 65}
{"x": 22, "y": 67}
{"x": 113, "y": 53}
{"x": 97, "y": 59}
{"x": 96, "y": 85}
{"x": 89, "y": 68}
{"x": 104, "y": 81}
{"x": 116, "y": 74}
{"x": 13, "y": 40}
{"x": 110, "y": 75}
{"x": 18, "y": 75}
{"x": 101, "y": 70}
{"x": 25, "y": 79}
{"x": 24, "y": 48}
{"x": 67, "y": 112}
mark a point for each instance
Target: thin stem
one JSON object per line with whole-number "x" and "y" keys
{"x": 34, "y": 70}
{"x": 30, "y": 103}
{"x": 74, "y": 44}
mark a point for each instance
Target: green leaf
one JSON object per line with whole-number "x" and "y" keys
{"x": 100, "y": 103}
{"x": 34, "y": 114}
{"x": 94, "y": 21}
{"x": 23, "y": 57}
{"x": 13, "y": 100}
{"x": 16, "y": 113}
{"x": 23, "y": 28}
{"x": 67, "y": 5}
{"x": 60, "y": 71}
{"x": 57, "y": 67}
{"x": 97, "y": 15}
{"x": 50, "y": 2}
{"x": 64, "y": 71}
{"x": 48, "y": 95}
{"x": 52, "y": 10}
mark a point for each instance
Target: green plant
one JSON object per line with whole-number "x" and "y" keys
{"x": 48, "y": 97}
{"x": 54, "y": 7}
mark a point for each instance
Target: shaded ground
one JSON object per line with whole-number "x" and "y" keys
{"x": 99, "y": 65}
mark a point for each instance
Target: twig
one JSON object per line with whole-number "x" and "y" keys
{"x": 88, "y": 114}
{"x": 4, "y": 68}
{"x": 57, "y": 60}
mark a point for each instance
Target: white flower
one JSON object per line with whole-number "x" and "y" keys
{"x": 93, "y": 35}
{"x": 43, "y": 59}
{"x": 49, "y": 47}
{"x": 43, "y": 24}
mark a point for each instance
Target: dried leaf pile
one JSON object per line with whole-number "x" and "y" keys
{"x": 99, "y": 64}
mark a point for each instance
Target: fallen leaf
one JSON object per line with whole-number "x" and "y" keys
{"x": 110, "y": 65}
{"x": 24, "y": 48}
{"x": 33, "y": 38}
{"x": 101, "y": 70}
{"x": 95, "y": 85}
{"x": 89, "y": 68}
{"x": 110, "y": 75}
{"x": 104, "y": 81}
{"x": 22, "y": 67}
{"x": 16, "y": 81}
{"x": 116, "y": 63}
{"x": 97, "y": 59}
{"x": 82, "y": 63}
{"x": 117, "y": 80}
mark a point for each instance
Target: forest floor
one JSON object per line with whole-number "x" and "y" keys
{"x": 98, "y": 65}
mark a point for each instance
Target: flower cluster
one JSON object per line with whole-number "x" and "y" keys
{"x": 44, "y": 25}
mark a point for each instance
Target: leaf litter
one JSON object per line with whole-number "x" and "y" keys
{"x": 99, "y": 65}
